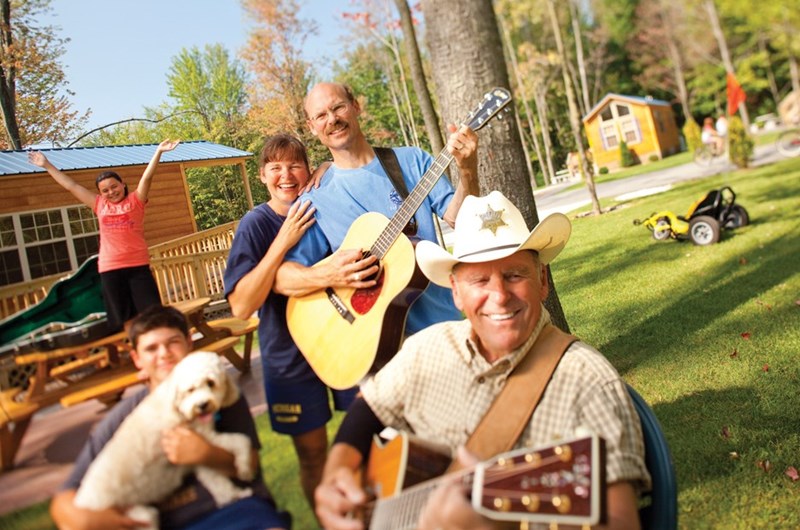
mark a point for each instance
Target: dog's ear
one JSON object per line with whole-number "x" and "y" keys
{"x": 231, "y": 391}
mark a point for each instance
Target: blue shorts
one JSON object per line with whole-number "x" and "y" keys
{"x": 250, "y": 513}
{"x": 298, "y": 407}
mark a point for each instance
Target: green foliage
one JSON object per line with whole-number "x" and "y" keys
{"x": 653, "y": 158}
{"x": 626, "y": 156}
{"x": 692, "y": 135}
{"x": 740, "y": 144}
{"x": 603, "y": 170}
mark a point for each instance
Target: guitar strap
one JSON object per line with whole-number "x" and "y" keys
{"x": 390, "y": 164}
{"x": 510, "y": 413}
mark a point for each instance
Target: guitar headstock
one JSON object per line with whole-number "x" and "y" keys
{"x": 562, "y": 484}
{"x": 492, "y": 103}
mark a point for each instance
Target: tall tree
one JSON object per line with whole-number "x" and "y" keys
{"x": 33, "y": 88}
{"x": 716, "y": 27}
{"x": 464, "y": 51}
{"x": 574, "y": 118}
{"x": 282, "y": 77}
{"x": 418, "y": 76}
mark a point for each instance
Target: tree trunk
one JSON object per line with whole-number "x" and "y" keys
{"x": 418, "y": 77}
{"x": 524, "y": 96}
{"x": 724, "y": 53}
{"x": 540, "y": 98}
{"x": 574, "y": 119}
{"x": 773, "y": 85}
{"x": 576, "y": 29}
{"x": 465, "y": 45}
{"x": 675, "y": 57}
{"x": 8, "y": 84}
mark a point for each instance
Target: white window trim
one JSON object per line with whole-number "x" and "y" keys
{"x": 21, "y": 247}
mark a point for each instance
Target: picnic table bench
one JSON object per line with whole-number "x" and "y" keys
{"x": 102, "y": 370}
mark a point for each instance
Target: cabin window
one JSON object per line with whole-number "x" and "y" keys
{"x": 609, "y": 132}
{"x": 36, "y": 244}
{"x": 617, "y": 123}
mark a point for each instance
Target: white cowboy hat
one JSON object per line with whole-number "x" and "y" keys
{"x": 490, "y": 228}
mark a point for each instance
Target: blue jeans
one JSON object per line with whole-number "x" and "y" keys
{"x": 251, "y": 513}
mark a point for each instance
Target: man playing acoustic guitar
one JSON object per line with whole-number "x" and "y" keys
{"x": 357, "y": 183}
{"x": 441, "y": 383}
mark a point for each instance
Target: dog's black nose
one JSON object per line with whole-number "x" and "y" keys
{"x": 203, "y": 407}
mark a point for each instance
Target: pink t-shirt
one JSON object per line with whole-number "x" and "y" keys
{"x": 122, "y": 241}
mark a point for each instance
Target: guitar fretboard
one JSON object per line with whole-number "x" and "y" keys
{"x": 403, "y": 215}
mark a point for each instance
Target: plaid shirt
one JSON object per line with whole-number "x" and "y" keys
{"x": 439, "y": 387}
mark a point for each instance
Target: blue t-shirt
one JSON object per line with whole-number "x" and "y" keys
{"x": 279, "y": 355}
{"x": 345, "y": 194}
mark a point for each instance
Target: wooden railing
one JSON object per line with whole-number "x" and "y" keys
{"x": 20, "y": 296}
{"x": 217, "y": 238}
{"x": 190, "y": 276}
{"x": 185, "y": 268}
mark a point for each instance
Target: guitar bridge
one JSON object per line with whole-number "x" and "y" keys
{"x": 338, "y": 305}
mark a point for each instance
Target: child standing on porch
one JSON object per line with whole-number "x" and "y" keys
{"x": 124, "y": 260}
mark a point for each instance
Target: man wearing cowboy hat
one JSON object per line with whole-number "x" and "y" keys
{"x": 443, "y": 380}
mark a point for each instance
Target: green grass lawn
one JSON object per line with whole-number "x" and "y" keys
{"x": 710, "y": 336}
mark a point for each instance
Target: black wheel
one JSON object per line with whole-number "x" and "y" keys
{"x": 703, "y": 156}
{"x": 738, "y": 217}
{"x": 704, "y": 230}
{"x": 662, "y": 230}
{"x": 788, "y": 143}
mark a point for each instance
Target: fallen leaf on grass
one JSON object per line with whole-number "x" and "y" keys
{"x": 742, "y": 261}
{"x": 791, "y": 472}
{"x": 765, "y": 367}
{"x": 797, "y": 303}
{"x": 734, "y": 353}
{"x": 765, "y": 465}
{"x": 767, "y": 306}
{"x": 746, "y": 335}
{"x": 734, "y": 455}
{"x": 726, "y": 433}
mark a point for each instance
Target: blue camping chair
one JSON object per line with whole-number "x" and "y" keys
{"x": 662, "y": 511}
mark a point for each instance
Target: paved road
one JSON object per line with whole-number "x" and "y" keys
{"x": 558, "y": 199}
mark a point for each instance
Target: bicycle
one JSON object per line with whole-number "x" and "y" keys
{"x": 788, "y": 143}
{"x": 706, "y": 153}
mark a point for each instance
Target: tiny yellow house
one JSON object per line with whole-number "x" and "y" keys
{"x": 44, "y": 230}
{"x": 646, "y": 125}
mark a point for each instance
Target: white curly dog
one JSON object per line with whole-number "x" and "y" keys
{"x": 132, "y": 469}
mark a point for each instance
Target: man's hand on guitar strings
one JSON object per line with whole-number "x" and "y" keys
{"x": 337, "y": 498}
{"x": 463, "y": 145}
{"x": 350, "y": 269}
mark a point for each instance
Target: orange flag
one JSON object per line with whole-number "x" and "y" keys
{"x": 736, "y": 95}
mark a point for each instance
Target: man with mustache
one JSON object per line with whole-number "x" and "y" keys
{"x": 357, "y": 183}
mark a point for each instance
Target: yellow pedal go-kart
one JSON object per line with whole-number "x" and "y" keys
{"x": 704, "y": 221}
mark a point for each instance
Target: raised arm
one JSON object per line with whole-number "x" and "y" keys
{"x": 253, "y": 288}
{"x": 84, "y": 195}
{"x": 463, "y": 145}
{"x": 143, "y": 189}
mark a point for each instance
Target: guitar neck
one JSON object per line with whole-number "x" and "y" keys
{"x": 402, "y": 511}
{"x": 411, "y": 204}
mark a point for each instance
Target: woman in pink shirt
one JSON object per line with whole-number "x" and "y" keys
{"x": 124, "y": 259}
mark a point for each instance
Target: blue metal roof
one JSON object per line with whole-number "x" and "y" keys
{"x": 647, "y": 100}
{"x": 73, "y": 158}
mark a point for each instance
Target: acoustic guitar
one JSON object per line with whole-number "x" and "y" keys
{"x": 558, "y": 484}
{"x": 345, "y": 333}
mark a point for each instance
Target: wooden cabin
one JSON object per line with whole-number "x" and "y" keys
{"x": 44, "y": 230}
{"x": 646, "y": 125}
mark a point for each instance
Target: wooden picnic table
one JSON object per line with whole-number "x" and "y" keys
{"x": 99, "y": 369}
